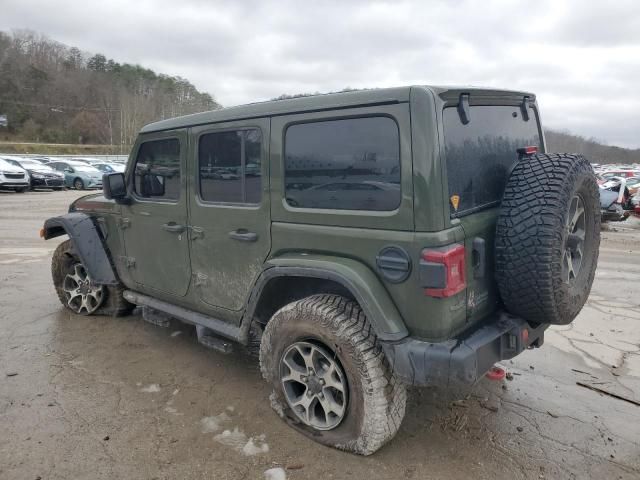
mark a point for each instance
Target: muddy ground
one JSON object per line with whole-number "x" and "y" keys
{"x": 104, "y": 398}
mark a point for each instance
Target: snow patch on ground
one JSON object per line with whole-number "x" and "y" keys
{"x": 153, "y": 388}
{"x": 275, "y": 474}
{"x": 238, "y": 440}
{"x": 235, "y": 438}
{"x": 252, "y": 448}
{"x": 214, "y": 423}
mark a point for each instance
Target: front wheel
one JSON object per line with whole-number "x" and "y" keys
{"x": 78, "y": 184}
{"x": 77, "y": 291}
{"x": 21, "y": 190}
{"x": 330, "y": 378}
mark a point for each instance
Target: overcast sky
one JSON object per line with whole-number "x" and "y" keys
{"x": 581, "y": 57}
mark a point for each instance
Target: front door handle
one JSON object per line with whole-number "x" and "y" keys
{"x": 174, "y": 227}
{"x": 243, "y": 235}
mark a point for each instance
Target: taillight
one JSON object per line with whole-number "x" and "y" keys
{"x": 442, "y": 271}
{"x": 530, "y": 150}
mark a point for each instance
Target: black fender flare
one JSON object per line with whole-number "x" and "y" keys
{"x": 386, "y": 322}
{"x": 87, "y": 243}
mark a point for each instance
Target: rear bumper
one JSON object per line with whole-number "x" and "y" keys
{"x": 462, "y": 361}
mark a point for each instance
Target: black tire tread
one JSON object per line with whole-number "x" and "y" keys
{"x": 386, "y": 394}
{"x": 114, "y": 304}
{"x": 529, "y": 236}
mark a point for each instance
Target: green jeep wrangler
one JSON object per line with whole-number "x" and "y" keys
{"x": 358, "y": 242}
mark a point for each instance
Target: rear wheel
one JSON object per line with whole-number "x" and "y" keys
{"x": 78, "y": 184}
{"x": 77, "y": 291}
{"x": 547, "y": 238}
{"x": 330, "y": 378}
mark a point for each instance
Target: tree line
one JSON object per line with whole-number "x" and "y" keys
{"x": 596, "y": 152}
{"x": 54, "y": 93}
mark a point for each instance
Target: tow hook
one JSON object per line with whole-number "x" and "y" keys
{"x": 496, "y": 373}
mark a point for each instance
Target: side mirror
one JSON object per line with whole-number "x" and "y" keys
{"x": 114, "y": 187}
{"x": 152, "y": 185}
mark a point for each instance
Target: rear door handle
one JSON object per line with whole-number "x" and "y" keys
{"x": 174, "y": 227}
{"x": 243, "y": 235}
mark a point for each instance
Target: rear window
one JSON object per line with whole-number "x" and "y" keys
{"x": 481, "y": 153}
{"x": 348, "y": 164}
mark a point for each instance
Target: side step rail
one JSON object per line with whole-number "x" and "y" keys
{"x": 210, "y": 326}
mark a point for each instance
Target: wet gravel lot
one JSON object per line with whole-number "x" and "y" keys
{"x": 98, "y": 397}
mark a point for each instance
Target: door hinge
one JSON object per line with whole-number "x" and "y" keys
{"x": 124, "y": 222}
{"x": 200, "y": 279}
{"x": 196, "y": 232}
{"x": 128, "y": 262}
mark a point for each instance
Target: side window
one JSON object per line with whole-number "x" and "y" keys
{"x": 157, "y": 170}
{"x": 350, "y": 164}
{"x": 229, "y": 164}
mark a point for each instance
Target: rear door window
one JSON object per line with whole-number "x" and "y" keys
{"x": 346, "y": 164}
{"x": 480, "y": 154}
{"x": 230, "y": 166}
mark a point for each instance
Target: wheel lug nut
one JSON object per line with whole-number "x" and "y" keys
{"x": 309, "y": 394}
{"x": 322, "y": 382}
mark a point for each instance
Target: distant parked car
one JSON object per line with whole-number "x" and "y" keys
{"x": 224, "y": 174}
{"x": 633, "y": 184}
{"x": 108, "y": 167}
{"x": 362, "y": 195}
{"x": 13, "y": 177}
{"x": 79, "y": 175}
{"x": 42, "y": 176}
{"x": 623, "y": 172}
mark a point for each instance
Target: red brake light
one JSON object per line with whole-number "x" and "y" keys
{"x": 453, "y": 260}
{"x": 530, "y": 150}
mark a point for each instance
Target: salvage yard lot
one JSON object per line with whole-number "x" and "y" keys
{"x": 111, "y": 398}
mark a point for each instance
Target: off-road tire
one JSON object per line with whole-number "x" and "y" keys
{"x": 532, "y": 234}
{"x": 78, "y": 184}
{"x": 377, "y": 398}
{"x": 62, "y": 262}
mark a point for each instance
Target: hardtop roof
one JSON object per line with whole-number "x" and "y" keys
{"x": 319, "y": 102}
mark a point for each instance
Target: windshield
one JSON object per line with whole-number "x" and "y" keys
{"x": 5, "y": 164}
{"x": 84, "y": 168}
{"x": 33, "y": 165}
{"x": 480, "y": 154}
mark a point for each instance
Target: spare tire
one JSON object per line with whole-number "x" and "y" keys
{"x": 547, "y": 238}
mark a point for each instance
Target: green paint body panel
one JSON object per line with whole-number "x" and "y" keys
{"x": 362, "y": 280}
{"x": 206, "y": 271}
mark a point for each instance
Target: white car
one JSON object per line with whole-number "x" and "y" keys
{"x": 13, "y": 178}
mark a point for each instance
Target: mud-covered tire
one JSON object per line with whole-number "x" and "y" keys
{"x": 533, "y": 238}
{"x": 376, "y": 397}
{"x": 63, "y": 261}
